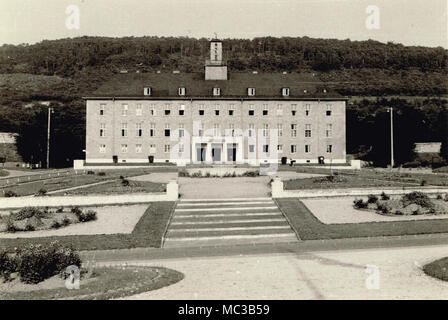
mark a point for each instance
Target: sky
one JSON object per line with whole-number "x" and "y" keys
{"x": 411, "y": 22}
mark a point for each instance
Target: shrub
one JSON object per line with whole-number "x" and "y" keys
{"x": 385, "y": 196}
{"x": 383, "y": 208}
{"x": 183, "y": 174}
{"x": 65, "y": 222}
{"x": 446, "y": 197}
{"x": 372, "y": 198}
{"x": 55, "y": 225}
{"x": 10, "y": 194}
{"x": 251, "y": 173}
{"x": 101, "y": 173}
{"x": 90, "y": 172}
{"x": 360, "y": 204}
{"x": 10, "y": 227}
{"x": 423, "y": 183}
{"x": 418, "y": 198}
{"x": 41, "y": 192}
{"x": 37, "y": 263}
{"x": 29, "y": 227}
{"x": 60, "y": 209}
{"x": 76, "y": 211}
{"x": 8, "y": 265}
{"x": 26, "y": 213}
{"x": 89, "y": 215}
{"x": 439, "y": 197}
{"x": 125, "y": 182}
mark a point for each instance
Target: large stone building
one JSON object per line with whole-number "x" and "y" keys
{"x": 214, "y": 117}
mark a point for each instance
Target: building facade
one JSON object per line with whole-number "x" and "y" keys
{"x": 214, "y": 117}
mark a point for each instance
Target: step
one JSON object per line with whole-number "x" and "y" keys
{"x": 227, "y": 214}
{"x": 224, "y": 200}
{"x": 173, "y": 243}
{"x": 289, "y": 236}
{"x": 226, "y": 224}
{"x": 225, "y": 209}
{"x": 219, "y": 217}
{"x": 223, "y": 204}
{"x": 198, "y": 234}
{"x": 227, "y": 228}
{"x": 227, "y": 221}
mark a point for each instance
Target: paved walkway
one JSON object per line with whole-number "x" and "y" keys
{"x": 322, "y": 275}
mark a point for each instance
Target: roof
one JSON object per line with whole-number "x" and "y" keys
{"x": 165, "y": 85}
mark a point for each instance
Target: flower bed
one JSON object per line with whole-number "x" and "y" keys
{"x": 414, "y": 203}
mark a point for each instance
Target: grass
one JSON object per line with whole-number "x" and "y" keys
{"x": 106, "y": 283}
{"x": 437, "y": 269}
{"x": 441, "y": 170}
{"x": 74, "y": 180}
{"x": 308, "y": 227}
{"x": 116, "y": 187}
{"x": 148, "y": 232}
{"x": 4, "y": 173}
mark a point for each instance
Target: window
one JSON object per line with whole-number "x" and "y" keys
{"x": 152, "y": 130}
{"x": 280, "y": 148}
{"x": 102, "y": 148}
{"x": 139, "y": 110}
{"x": 138, "y": 148}
{"x": 181, "y": 148}
{"x": 182, "y": 91}
{"x": 250, "y": 91}
{"x": 293, "y": 130}
{"x": 124, "y": 109}
{"x": 152, "y": 148}
{"x": 265, "y": 110}
{"x": 167, "y": 148}
{"x": 251, "y": 148}
{"x": 251, "y": 129}
{"x": 124, "y": 129}
{"x": 152, "y": 109}
{"x": 216, "y": 129}
{"x": 279, "y": 129}
{"x": 201, "y": 130}
{"x": 308, "y": 131}
{"x": 146, "y": 91}
{"x": 167, "y": 109}
{"x": 329, "y": 148}
{"x": 138, "y": 129}
{"x": 293, "y": 109}
{"x": 293, "y": 148}
{"x": 279, "y": 109}
{"x": 216, "y": 91}
{"x": 124, "y": 148}
{"x": 307, "y": 109}
{"x": 167, "y": 130}
{"x": 307, "y": 148}
{"x": 181, "y": 109}
{"x": 265, "y": 130}
{"x": 285, "y": 92}
{"x": 265, "y": 148}
{"x": 328, "y": 113}
{"x": 251, "y": 110}
{"x": 232, "y": 130}
{"x": 329, "y": 131}
{"x": 102, "y": 108}
{"x": 217, "y": 110}
{"x": 181, "y": 130}
{"x": 102, "y": 130}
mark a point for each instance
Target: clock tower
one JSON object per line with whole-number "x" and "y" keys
{"x": 215, "y": 67}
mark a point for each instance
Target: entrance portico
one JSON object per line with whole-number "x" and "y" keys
{"x": 217, "y": 150}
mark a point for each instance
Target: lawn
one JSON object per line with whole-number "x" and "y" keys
{"x": 117, "y": 187}
{"x": 148, "y": 232}
{"x": 105, "y": 283}
{"x": 308, "y": 227}
{"x": 73, "y": 180}
{"x": 437, "y": 269}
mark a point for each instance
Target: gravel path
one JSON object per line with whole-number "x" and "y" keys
{"x": 323, "y": 275}
{"x": 341, "y": 210}
{"x": 111, "y": 219}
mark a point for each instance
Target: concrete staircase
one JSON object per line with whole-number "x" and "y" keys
{"x": 215, "y": 222}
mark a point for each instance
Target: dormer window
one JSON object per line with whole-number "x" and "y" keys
{"x": 147, "y": 91}
{"x": 285, "y": 92}
{"x": 250, "y": 92}
{"x": 216, "y": 91}
{"x": 182, "y": 91}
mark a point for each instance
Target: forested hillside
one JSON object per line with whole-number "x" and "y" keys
{"x": 62, "y": 71}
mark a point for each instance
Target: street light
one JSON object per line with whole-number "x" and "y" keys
{"x": 50, "y": 111}
{"x": 391, "y": 111}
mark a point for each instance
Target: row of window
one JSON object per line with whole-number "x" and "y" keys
{"x": 201, "y": 110}
{"x": 167, "y": 148}
{"x": 216, "y": 129}
{"x": 182, "y": 91}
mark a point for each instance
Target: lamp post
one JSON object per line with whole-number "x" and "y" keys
{"x": 391, "y": 111}
{"x": 50, "y": 111}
